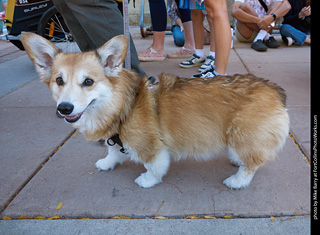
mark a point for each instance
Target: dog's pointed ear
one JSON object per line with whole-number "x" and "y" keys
{"x": 113, "y": 54}
{"x": 41, "y": 52}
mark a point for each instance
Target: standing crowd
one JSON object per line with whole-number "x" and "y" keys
{"x": 255, "y": 21}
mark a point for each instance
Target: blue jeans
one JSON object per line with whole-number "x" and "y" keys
{"x": 298, "y": 36}
{"x": 178, "y": 36}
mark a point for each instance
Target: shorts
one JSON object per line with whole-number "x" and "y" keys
{"x": 242, "y": 39}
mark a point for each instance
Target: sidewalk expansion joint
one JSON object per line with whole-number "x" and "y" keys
{"x": 299, "y": 147}
{"x": 54, "y": 150}
{"x": 194, "y": 216}
{"x": 245, "y": 66}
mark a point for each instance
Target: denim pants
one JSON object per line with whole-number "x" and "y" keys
{"x": 298, "y": 36}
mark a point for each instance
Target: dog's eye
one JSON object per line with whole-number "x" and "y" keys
{"x": 59, "y": 81}
{"x": 88, "y": 82}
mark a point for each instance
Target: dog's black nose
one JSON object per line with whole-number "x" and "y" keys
{"x": 65, "y": 108}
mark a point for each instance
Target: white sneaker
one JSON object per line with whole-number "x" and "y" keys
{"x": 206, "y": 73}
{"x": 192, "y": 62}
{"x": 209, "y": 61}
{"x": 287, "y": 40}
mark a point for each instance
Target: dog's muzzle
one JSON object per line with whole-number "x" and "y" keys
{"x": 66, "y": 108}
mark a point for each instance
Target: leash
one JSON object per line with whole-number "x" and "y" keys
{"x": 127, "y": 63}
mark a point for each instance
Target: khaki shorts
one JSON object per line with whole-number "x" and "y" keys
{"x": 242, "y": 39}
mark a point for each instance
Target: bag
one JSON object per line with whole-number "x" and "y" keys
{"x": 264, "y": 5}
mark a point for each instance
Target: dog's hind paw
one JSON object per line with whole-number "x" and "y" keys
{"x": 240, "y": 180}
{"x": 147, "y": 180}
{"x": 234, "y": 183}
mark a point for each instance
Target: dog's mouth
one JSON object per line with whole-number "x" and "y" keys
{"x": 74, "y": 118}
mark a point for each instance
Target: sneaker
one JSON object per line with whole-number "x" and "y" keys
{"x": 192, "y": 62}
{"x": 182, "y": 53}
{"x": 151, "y": 55}
{"x": 271, "y": 42}
{"x": 209, "y": 61}
{"x": 287, "y": 40}
{"x": 206, "y": 73}
{"x": 259, "y": 46}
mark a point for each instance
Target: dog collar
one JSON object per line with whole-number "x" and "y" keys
{"x": 116, "y": 140}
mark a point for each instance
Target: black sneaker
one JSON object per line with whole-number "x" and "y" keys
{"x": 259, "y": 46}
{"x": 272, "y": 42}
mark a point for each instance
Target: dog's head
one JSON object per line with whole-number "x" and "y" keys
{"x": 77, "y": 81}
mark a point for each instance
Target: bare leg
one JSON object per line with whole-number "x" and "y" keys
{"x": 212, "y": 38}
{"x": 158, "y": 41}
{"x": 245, "y": 28}
{"x": 188, "y": 35}
{"x": 217, "y": 10}
{"x": 308, "y": 39}
{"x": 198, "y": 29}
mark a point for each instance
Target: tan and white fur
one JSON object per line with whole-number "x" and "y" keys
{"x": 174, "y": 118}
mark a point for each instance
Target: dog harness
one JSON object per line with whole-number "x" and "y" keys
{"x": 116, "y": 140}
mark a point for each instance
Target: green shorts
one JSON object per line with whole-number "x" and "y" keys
{"x": 242, "y": 39}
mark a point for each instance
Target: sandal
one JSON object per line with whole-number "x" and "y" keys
{"x": 151, "y": 55}
{"x": 182, "y": 53}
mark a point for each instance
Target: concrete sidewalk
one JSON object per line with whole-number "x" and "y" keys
{"x": 44, "y": 163}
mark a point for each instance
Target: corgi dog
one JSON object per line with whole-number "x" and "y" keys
{"x": 152, "y": 122}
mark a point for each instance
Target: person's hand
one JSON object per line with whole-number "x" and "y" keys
{"x": 265, "y": 22}
{"x": 179, "y": 22}
{"x": 306, "y": 11}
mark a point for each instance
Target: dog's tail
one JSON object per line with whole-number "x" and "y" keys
{"x": 279, "y": 90}
{"x": 281, "y": 93}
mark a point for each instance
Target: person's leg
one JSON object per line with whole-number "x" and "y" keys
{"x": 217, "y": 10}
{"x": 82, "y": 38}
{"x": 212, "y": 36}
{"x": 210, "y": 59}
{"x": 298, "y": 37}
{"x": 183, "y": 39}
{"x": 94, "y": 22}
{"x": 198, "y": 31}
{"x": 158, "y": 13}
{"x": 244, "y": 28}
{"x": 188, "y": 35}
{"x": 185, "y": 16}
{"x": 197, "y": 58}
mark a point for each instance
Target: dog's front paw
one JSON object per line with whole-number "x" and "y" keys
{"x": 147, "y": 180}
{"x": 105, "y": 164}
